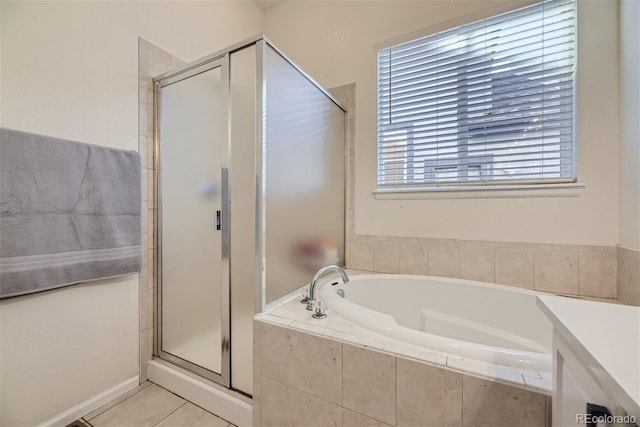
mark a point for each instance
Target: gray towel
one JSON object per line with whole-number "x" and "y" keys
{"x": 69, "y": 212}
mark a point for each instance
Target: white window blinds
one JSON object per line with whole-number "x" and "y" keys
{"x": 490, "y": 102}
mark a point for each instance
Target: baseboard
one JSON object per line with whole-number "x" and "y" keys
{"x": 78, "y": 411}
{"x": 235, "y": 409}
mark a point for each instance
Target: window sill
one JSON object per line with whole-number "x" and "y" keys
{"x": 482, "y": 192}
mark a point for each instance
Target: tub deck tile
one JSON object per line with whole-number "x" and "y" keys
{"x": 293, "y": 310}
{"x": 277, "y": 320}
{"x": 363, "y": 338}
{"x": 487, "y": 370}
{"x": 529, "y": 372}
{"x": 535, "y": 383}
{"x": 415, "y": 352}
{"x": 334, "y": 322}
{"x": 313, "y": 329}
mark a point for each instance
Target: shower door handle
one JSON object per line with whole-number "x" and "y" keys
{"x": 218, "y": 220}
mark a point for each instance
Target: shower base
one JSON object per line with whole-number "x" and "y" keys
{"x": 223, "y": 402}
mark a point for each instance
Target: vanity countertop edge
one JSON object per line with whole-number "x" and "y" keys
{"x": 609, "y": 351}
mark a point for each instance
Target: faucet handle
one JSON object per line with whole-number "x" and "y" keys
{"x": 319, "y": 309}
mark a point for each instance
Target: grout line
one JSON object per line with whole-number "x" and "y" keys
{"x": 395, "y": 362}
{"x": 197, "y": 406}
{"x": 188, "y": 401}
{"x": 494, "y": 266}
{"x": 462, "y": 399}
{"x": 261, "y": 395}
{"x": 149, "y": 384}
{"x": 342, "y": 378}
{"x": 367, "y": 416}
{"x": 578, "y": 274}
{"x": 169, "y": 414}
{"x": 357, "y": 411}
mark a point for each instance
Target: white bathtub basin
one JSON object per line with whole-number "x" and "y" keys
{"x": 474, "y": 320}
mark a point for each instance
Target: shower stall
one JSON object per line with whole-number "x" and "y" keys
{"x": 250, "y": 173}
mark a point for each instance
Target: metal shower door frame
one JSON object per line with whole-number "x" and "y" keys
{"x": 224, "y": 377}
{"x": 222, "y": 58}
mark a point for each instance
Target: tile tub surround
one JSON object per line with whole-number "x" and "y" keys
{"x": 321, "y": 375}
{"x": 628, "y": 275}
{"x": 583, "y": 270}
{"x": 333, "y": 372}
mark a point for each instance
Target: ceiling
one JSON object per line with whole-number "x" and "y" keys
{"x": 266, "y": 4}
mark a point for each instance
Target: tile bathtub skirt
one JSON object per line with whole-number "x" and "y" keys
{"x": 69, "y": 213}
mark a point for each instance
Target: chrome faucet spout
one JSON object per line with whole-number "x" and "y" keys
{"x": 318, "y": 275}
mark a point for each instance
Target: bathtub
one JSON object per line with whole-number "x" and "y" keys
{"x": 473, "y": 320}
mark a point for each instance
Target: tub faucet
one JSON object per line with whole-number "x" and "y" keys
{"x": 320, "y": 273}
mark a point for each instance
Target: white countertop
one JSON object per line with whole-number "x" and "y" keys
{"x": 608, "y": 339}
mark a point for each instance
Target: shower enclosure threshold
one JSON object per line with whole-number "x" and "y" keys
{"x": 232, "y": 406}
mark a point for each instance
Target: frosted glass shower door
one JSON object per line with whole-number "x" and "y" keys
{"x": 304, "y": 175}
{"x": 193, "y": 274}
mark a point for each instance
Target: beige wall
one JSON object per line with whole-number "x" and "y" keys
{"x": 629, "y": 173}
{"x": 336, "y": 43}
{"x": 628, "y": 285}
{"x": 69, "y": 69}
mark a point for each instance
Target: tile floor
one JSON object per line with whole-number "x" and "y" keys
{"x": 149, "y": 405}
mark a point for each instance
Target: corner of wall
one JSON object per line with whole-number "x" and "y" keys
{"x": 628, "y": 261}
{"x": 628, "y": 282}
{"x": 629, "y": 127}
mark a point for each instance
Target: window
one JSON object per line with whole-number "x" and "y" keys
{"x": 490, "y": 102}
